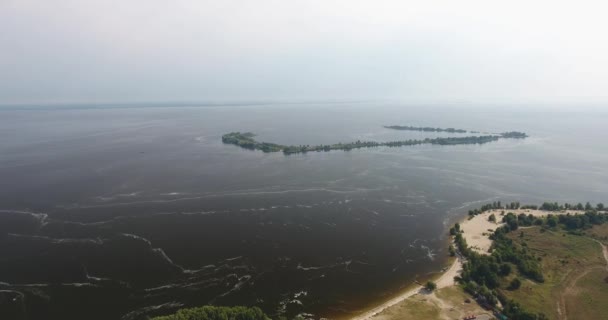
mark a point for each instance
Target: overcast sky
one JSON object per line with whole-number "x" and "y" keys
{"x": 55, "y": 51}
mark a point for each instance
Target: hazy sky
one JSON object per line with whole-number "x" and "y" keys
{"x": 197, "y": 50}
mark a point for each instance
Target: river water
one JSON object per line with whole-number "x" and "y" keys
{"x": 120, "y": 212}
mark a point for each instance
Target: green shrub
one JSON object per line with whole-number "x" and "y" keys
{"x": 216, "y": 313}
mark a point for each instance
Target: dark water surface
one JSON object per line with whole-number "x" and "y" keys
{"x": 121, "y": 212}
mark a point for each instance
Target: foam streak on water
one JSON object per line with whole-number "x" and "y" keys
{"x": 136, "y": 219}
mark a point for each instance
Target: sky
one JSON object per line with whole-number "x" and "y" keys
{"x": 100, "y": 51}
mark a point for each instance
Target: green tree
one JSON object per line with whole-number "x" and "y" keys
{"x": 430, "y": 286}
{"x": 552, "y": 221}
{"x": 453, "y": 231}
{"x": 515, "y": 284}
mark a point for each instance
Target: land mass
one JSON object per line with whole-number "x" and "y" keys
{"x": 517, "y": 262}
{"x": 246, "y": 140}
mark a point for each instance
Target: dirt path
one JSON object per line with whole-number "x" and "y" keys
{"x": 605, "y": 251}
{"x": 570, "y": 288}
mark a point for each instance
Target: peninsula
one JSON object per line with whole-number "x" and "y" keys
{"x": 246, "y": 140}
{"x": 516, "y": 262}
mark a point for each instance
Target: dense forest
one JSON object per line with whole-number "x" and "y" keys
{"x": 246, "y": 140}
{"x": 482, "y": 273}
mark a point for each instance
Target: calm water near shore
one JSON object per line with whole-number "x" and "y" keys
{"x": 121, "y": 209}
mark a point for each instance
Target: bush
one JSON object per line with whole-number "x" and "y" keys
{"x": 216, "y": 313}
{"x": 452, "y": 251}
{"x": 515, "y": 284}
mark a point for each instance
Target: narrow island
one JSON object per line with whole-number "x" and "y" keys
{"x": 426, "y": 129}
{"x": 246, "y": 140}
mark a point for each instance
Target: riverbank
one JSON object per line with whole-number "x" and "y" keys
{"x": 445, "y": 280}
{"x": 476, "y": 231}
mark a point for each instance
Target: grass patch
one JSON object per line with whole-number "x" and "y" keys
{"x": 587, "y": 300}
{"x": 563, "y": 258}
{"x": 417, "y": 307}
{"x": 455, "y": 297}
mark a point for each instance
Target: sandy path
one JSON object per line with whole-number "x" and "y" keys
{"x": 604, "y": 251}
{"x": 447, "y": 279}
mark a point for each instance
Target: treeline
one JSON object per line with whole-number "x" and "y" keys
{"x": 581, "y": 221}
{"x": 514, "y": 135}
{"x": 509, "y": 134}
{"x": 482, "y": 273}
{"x": 547, "y": 206}
{"x": 554, "y": 206}
{"x": 246, "y": 140}
{"x": 216, "y": 313}
{"x": 426, "y": 129}
{"x": 567, "y": 221}
{"x": 493, "y": 206}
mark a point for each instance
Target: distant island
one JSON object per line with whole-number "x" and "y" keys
{"x": 246, "y": 140}
{"x": 426, "y": 129}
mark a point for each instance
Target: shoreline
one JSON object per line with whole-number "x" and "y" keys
{"x": 476, "y": 232}
{"x": 446, "y": 279}
{"x": 443, "y": 279}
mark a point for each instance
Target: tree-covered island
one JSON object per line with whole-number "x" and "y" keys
{"x": 426, "y": 129}
{"x": 246, "y": 140}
